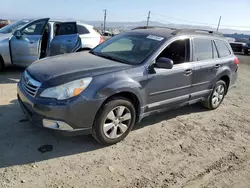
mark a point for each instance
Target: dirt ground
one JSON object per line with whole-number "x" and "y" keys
{"x": 188, "y": 147}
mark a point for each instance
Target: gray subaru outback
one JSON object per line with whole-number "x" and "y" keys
{"x": 105, "y": 91}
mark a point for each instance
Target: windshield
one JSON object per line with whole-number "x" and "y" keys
{"x": 10, "y": 28}
{"x": 129, "y": 48}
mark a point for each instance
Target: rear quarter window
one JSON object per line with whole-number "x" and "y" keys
{"x": 82, "y": 30}
{"x": 222, "y": 48}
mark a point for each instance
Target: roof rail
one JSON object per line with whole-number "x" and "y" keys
{"x": 153, "y": 27}
{"x": 184, "y": 30}
{"x": 197, "y": 31}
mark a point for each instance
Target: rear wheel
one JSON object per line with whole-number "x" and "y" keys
{"x": 246, "y": 51}
{"x": 114, "y": 121}
{"x": 217, "y": 96}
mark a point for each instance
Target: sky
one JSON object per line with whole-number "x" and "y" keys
{"x": 235, "y": 13}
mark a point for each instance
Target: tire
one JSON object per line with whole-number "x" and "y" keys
{"x": 246, "y": 52}
{"x": 111, "y": 127}
{"x": 219, "y": 92}
{"x": 1, "y": 64}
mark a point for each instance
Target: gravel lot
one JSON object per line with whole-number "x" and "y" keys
{"x": 187, "y": 147}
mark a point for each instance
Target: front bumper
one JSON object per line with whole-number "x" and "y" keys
{"x": 72, "y": 117}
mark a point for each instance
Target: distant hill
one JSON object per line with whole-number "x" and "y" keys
{"x": 130, "y": 25}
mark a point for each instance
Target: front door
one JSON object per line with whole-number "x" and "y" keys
{"x": 168, "y": 87}
{"x": 66, "y": 38}
{"x": 25, "y": 48}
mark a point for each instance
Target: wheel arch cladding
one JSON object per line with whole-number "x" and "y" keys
{"x": 226, "y": 79}
{"x": 132, "y": 97}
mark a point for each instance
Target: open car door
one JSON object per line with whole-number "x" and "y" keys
{"x": 66, "y": 38}
{"x": 25, "y": 44}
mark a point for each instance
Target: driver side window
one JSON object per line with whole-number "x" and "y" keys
{"x": 178, "y": 51}
{"x": 34, "y": 29}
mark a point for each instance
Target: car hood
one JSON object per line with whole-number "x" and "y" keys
{"x": 72, "y": 66}
{"x": 4, "y": 36}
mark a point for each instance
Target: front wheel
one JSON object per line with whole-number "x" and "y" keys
{"x": 114, "y": 121}
{"x": 217, "y": 96}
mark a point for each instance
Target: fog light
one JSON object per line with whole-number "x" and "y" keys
{"x": 58, "y": 125}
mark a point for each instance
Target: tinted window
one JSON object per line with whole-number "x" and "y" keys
{"x": 66, "y": 29}
{"x": 129, "y": 48}
{"x": 82, "y": 30}
{"x": 202, "y": 49}
{"x": 178, "y": 51}
{"x": 223, "y": 49}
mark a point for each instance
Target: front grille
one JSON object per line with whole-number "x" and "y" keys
{"x": 29, "y": 84}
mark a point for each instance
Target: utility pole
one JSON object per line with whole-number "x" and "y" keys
{"x": 148, "y": 18}
{"x": 218, "y": 24}
{"x": 105, "y": 16}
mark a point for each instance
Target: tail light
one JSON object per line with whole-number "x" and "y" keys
{"x": 101, "y": 39}
{"x": 236, "y": 60}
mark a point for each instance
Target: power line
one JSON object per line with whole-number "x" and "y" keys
{"x": 200, "y": 23}
{"x": 127, "y": 18}
{"x": 148, "y": 17}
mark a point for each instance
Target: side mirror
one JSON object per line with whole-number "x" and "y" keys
{"x": 164, "y": 63}
{"x": 17, "y": 34}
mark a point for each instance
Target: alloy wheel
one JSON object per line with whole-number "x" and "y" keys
{"x": 117, "y": 122}
{"x": 218, "y": 95}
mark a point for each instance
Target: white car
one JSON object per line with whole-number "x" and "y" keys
{"x": 25, "y": 41}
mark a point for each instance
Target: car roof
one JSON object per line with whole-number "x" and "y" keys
{"x": 154, "y": 31}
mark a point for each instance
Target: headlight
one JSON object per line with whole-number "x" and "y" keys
{"x": 68, "y": 90}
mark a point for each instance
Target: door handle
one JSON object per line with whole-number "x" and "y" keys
{"x": 68, "y": 40}
{"x": 217, "y": 66}
{"x": 31, "y": 41}
{"x": 188, "y": 72}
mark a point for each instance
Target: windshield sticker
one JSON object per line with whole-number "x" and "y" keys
{"x": 153, "y": 37}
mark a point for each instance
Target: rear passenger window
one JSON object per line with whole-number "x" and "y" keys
{"x": 82, "y": 30}
{"x": 202, "y": 49}
{"x": 222, "y": 48}
{"x": 65, "y": 29}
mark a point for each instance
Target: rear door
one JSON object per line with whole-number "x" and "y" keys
{"x": 206, "y": 63}
{"x": 66, "y": 38}
{"x": 25, "y": 49}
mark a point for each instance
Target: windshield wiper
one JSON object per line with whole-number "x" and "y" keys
{"x": 110, "y": 57}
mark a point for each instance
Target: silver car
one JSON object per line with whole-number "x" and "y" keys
{"x": 25, "y": 41}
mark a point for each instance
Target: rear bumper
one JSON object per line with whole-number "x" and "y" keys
{"x": 70, "y": 118}
{"x": 233, "y": 79}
